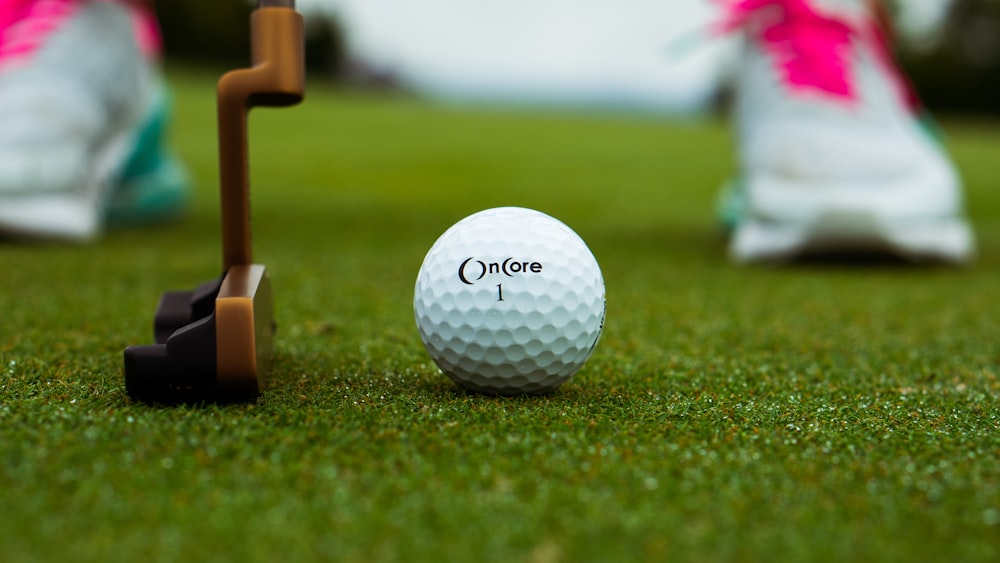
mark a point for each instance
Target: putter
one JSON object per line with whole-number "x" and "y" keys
{"x": 214, "y": 342}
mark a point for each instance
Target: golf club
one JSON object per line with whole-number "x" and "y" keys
{"x": 215, "y": 342}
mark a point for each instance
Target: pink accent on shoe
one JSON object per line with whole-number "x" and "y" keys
{"x": 147, "y": 31}
{"x": 24, "y": 25}
{"x": 811, "y": 50}
{"x": 10, "y": 12}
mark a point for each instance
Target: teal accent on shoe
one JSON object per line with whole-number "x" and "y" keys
{"x": 154, "y": 185}
{"x": 731, "y": 204}
{"x": 148, "y": 148}
{"x": 159, "y": 195}
{"x": 930, "y": 126}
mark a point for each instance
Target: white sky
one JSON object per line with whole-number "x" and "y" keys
{"x": 584, "y": 52}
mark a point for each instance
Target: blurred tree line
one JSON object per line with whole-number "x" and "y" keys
{"x": 957, "y": 72}
{"x": 218, "y": 31}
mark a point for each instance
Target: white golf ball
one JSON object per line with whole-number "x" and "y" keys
{"x": 509, "y": 301}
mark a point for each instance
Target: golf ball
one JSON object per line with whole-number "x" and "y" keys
{"x": 509, "y": 301}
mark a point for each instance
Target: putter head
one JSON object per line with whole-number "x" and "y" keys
{"x": 212, "y": 343}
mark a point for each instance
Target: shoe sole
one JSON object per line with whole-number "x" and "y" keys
{"x": 55, "y": 217}
{"x": 72, "y": 216}
{"x": 916, "y": 221}
{"x": 945, "y": 240}
{"x": 76, "y": 215}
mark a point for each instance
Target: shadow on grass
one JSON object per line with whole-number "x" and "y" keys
{"x": 708, "y": 245}
{"x": 853, "y": 260}
{"x": 566, "y": 394}
{"x": 193, "y": 398}
{"x": 884, "y": 261}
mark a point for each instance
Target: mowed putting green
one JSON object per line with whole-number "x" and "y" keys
{"x": 819, "y": 412}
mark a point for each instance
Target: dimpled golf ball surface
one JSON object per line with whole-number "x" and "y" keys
{"x": 509, "y": 301}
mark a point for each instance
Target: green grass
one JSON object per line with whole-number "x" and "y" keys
{"x": 822, "y": 412}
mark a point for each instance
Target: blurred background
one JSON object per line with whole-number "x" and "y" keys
{"x": 632, "y": 55}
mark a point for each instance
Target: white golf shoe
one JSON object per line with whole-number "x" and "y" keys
{"x": 82, "y": 111}
{"x": 832, "y": 151}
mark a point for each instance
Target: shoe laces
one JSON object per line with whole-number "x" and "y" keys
{"x": 814, "y": 52}
{"x": 811, "y": 51}
{"x": 25, "y": 25}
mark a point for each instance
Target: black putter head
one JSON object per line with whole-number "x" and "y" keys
{"x": 214, "y": 342}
